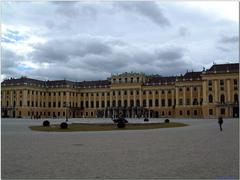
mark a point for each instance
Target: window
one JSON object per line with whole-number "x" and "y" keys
{"x": 131, "y": 92}
{"x": 156, "y": 102}
{"x": 103, "y": 104}
{"x": 210, "y": 88}
{"x": 150, "y": 102}
{"x": 131, "y": 103}
{"x": 49, "y": 94}
{"x": 210, "y": 112}
{"x": 113, "y": 93}
{"x": 222, "y": 111}
{"x": 137, "y": 79}
{"x": 195, "y": 89}
{"x": 120, "y": 80}
{"x": 49, "y": 104}
{"x": 188, "y": 112}
{"x": 125, "y": 103}
{"x": 138, "y": 102}
{"x": 137, "y": 92}
{"x": 114, "y": 103}
{"x": 163, "y": 102}
{"x": 180, "y": 113}
{"x": 144, "y": 92}
{"x": 180, "y": 89}
{"x": 180, "y": 101}
{"x": 195, "y": 101}
{"x": 187, "y": 89}
{"x": 169, "y": 102}
{"x": 210, "y": 98}
{"x": 125, "y": 92}
{"x": 222, "y": 88}
{"x": 125, "y": 80}
{"x": 222, "y": 99}
{"x": 235, "y": 82}
{"x": 144, "y": 103}
{"x": 235, "y": 98}
{"x": 209, "y": 82}
{"x": 59, "y": 104}
{"x": 169, "y": 113}
{"x": 86, "y": 104}
{"x": 64, "y": 93}
{"x": 59, "y": 94}
{"x": 119, "y": 103}
{"x": 221, "y": 82}
{"x": 150, "y": 92}
{"x": 92, "y": 104}
{"x": 119, "y": 93}
{"x": 97, "y": 104}
{"x": 54, "y": 104}
{"x": 20, "y": 103}
{"x": 162, "y": 113}
{"x": 156, "y": 92}
{"x": 58, "y": 113}
{"x": 195, "y": 112}
{"x": 163, "y": 92}
{"x": 188, "y": 101}
{"x": 131, "y": 80}
{"x": 169, "y": 92}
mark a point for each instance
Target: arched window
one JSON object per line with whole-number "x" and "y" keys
{"x": 210, "y": 98}
{"x": 236, "y": 98}
{"x": 138, "y": 102}
{"x": 222, "y": 99}
{"x": 119, "y": 103}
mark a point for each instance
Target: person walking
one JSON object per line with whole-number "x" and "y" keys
{"x": 220, "y": 122}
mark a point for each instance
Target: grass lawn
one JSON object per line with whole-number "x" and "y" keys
{"x": 105, "y": 127}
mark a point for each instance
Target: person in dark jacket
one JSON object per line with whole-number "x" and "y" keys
{"x": 220, "y": 122}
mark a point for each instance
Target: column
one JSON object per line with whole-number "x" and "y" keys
{"x": 228, "y": 91}
{"x": 128, "y": 98}
{"x": 177, "y": 96}
{"x": 94, "y": 100}
{"x": 105, "y": 99}
{"x": 122, "y": 102}
{"x": 134, "y": 97}
{"x": 140, "y": 97}
{"x": 184, "y": 96}
{"x": 191, "y": 95}
{"x": 172, "y": 97}
{"x": 198, "y": 94}
{"x": 166, "y": 98}
{"x": 215, "y": 91}
{"x": 84, "y": 100}
{"x": 24, "y": 97}
{"x": 204, "y": 92}
{"x": 153, "y": 100}
{"x": 111, "y": 98}
{"x": 147, "y": 103}
{"x": 159, "y": 98}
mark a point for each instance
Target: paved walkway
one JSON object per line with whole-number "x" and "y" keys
{"x": 196, "y": 151}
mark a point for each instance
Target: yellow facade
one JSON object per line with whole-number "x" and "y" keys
{"x": 206, "y": 94}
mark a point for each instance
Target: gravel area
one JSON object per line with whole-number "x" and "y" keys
{"x": 199, "y": 150}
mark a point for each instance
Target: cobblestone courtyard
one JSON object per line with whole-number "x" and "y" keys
{"x": 199, "y": 150}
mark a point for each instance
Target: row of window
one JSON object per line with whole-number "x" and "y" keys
{"x": 222, "y": 111}
{"x": 222, "y": 98}
{"x": 221, "y": 82}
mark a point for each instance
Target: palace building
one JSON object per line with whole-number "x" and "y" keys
{"x": 206, "y": 94}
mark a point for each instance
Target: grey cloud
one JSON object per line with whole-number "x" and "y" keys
{"x": 183, "y": 31}
{"x": 62, "y": 49}
{"x": 223, "y": 49}
{"x": 229, "y": 39}
{"x": 171, "y": 54}
{"x": 74, "y": 9}
{"x": 148, "y": 9}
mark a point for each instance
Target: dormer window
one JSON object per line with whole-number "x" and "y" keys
{"x": 120, "y": 80}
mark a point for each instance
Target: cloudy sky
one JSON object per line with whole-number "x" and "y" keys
{"x": 91, "y": 40}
